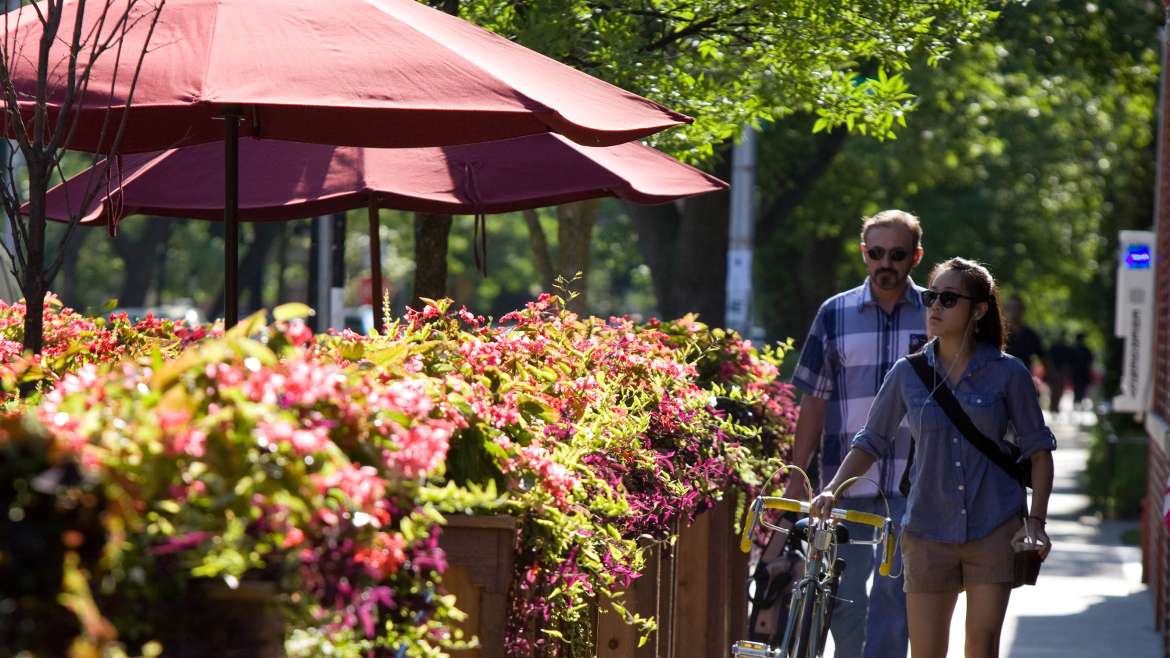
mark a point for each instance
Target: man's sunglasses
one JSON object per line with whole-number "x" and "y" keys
{"x": 947, "y": 298}
{"x": 897, "y": 254}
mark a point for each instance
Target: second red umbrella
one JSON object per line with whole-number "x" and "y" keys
{"x": 289, "y": 180}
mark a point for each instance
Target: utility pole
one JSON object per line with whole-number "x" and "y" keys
{"x": 337, "y": 280}
{"x": 738, "y": 315}
{"x": 321, "y": 246}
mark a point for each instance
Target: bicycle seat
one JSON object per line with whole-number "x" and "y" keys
{"x": 799, "y": 533}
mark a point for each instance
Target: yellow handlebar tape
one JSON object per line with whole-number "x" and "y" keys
{"x": 749, "y": 525}
{"x": 864, "y": 518}
{"x": 790, "y": 505}
{"x": 785, "y": 504}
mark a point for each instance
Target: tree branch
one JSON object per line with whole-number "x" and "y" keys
{"x": 692, "y": 29}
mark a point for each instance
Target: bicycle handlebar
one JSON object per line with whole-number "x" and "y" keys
{"x": 877, "y": 522}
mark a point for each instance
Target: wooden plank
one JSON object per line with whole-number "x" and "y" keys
{"x": 668, "y": 576}
{"x": 692, "y": 607}
{"x": 615, "y": 638}
{"x": 738, "y": 575}
{"x": 646, "y": 599}
{"x": 719, "y": 585}
{"x": 468, "y": 598}
{"x": 479, "y": 552}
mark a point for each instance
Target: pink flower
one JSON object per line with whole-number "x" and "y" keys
{"x": 383, "y": 558}
{"x": 179, "y": 438}
{"x": 410, "y": 397}
{"x": 294, "y": 537}
{"x": 361, "y": 485}
{"x": 422, "y": 449}
{"x": 299, "y": 333}
{"x": 281, "y": 432}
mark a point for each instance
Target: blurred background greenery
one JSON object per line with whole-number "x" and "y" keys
{"x": 1027, "y": 147}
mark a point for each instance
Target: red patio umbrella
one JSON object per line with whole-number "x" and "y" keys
{"x": 289, "y": 180}
{"x": 380, "y": 73}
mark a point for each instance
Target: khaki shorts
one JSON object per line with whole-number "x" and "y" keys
{"x": 933, "y": 566}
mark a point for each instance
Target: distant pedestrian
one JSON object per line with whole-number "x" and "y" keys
{"x": 1059, "y": 370}
{"x": 1022, "y": 341}
{"x": 1082, "y": 368}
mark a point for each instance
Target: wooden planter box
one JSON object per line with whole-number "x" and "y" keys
{"x": 651, "y": 595}
{"x": 219, "y": 621}
{"x": 694, "y": 589}
{"x": 710, "y": 602}
{"x": 479, "y": 572}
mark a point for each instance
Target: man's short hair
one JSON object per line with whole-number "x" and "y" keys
{"x": 893, "y": 217}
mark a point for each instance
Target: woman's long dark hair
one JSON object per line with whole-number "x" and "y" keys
{"x": 978, "y": 283}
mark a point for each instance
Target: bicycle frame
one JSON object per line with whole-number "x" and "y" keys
{"x": 811, "y": 606}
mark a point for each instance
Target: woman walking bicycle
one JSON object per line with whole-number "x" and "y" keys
{"x": 967, "y": 506}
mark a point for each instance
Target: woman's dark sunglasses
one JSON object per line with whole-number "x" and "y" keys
{"x": 877, "y": 253}
{"x": 947, "y": 298}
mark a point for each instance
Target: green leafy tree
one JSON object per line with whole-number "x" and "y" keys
{"x": 1029, "y": 152}
{"x": 729, "y": 63}
{"x": 40, "y": 123}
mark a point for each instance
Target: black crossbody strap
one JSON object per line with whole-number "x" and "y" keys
{"x": 946, "y": 399}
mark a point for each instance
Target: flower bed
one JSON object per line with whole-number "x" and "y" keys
{"x": 323, "y": 464}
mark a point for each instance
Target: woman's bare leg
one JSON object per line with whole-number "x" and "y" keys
{"x": 986, "y": 606}
{"x": 929, "y": 616}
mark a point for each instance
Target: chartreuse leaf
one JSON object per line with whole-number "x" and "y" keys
{"x": 249, "y": 325}
{"x": 292, "y": 311}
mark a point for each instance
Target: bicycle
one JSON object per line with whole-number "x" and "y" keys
{"x": 811, "y": 605}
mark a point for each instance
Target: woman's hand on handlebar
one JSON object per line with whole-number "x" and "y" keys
{"x": 822, "y": 505}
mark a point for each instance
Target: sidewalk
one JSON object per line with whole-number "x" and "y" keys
{"x": 1089, "y": 600}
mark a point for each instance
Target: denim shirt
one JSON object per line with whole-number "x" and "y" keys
{"x": 957, "y": 494}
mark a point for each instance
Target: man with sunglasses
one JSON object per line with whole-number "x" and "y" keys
{"x": 855, "y": 339}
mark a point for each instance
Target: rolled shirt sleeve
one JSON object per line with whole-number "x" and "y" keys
{"x": 885, "y": 414}
{"x": 1023, "y": 407}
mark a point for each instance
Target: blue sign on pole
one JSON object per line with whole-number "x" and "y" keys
{"x": 1137, "y": 256}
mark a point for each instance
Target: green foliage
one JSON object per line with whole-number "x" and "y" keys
{"x": 1115, "y": 474}
{"x": 1028, "y": 150}
{"x": 731, "y": 62}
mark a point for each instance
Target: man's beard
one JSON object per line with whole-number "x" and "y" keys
{"x": 888, "y": 279}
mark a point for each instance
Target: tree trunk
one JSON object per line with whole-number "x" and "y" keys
{"x": 431, "y": 233}
{"x": 687, "y": 251}
{"x": 138, "y": 256}
{"x": 70, "y": 295}
{"x": 281, "y": 266}
{"x": 657, "y": 231}
{"x": 33, "y": 284}
{"x": 255, "y": 265}
{"x": 574, "y": 238}
{"x": 251, "y": 267}
{"x": 160, "y": 279}
{"x": 700, "y": 259}
{"x": 541, "y": 254}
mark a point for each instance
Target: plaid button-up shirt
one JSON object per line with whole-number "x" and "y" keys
{"x": 853, "y": 343}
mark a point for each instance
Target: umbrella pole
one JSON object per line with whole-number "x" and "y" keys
{"x": 376, "y": 268}
{"x": 231, "y": 215}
